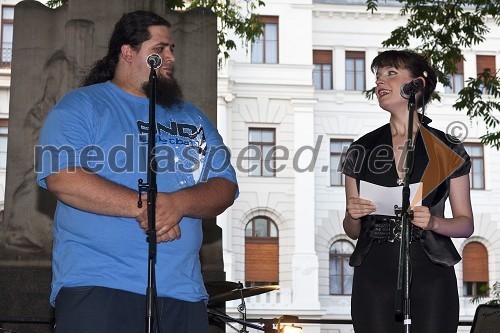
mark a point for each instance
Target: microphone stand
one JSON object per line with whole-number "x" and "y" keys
{"x": 242, "y": 308}
{"x": 152, "y": 191}
{"x": 227, "y": 319}
{"x": 404, "y": 271}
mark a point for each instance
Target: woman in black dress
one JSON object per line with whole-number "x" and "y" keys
{"x": 442, "y": 164}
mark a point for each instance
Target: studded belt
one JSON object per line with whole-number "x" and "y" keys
{"x": 388, "y": 229}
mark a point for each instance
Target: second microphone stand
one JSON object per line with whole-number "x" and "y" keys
{"x": 404, "y": 271}
{"x": 151, "y": 188}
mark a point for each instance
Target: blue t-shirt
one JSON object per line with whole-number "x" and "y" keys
{"x": 104, "y": 129}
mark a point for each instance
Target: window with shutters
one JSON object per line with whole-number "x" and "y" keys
{"x": 456, "y": 79}
{"x": 322, "y": 71}
{"x": 476, "y": 176}
{"x": 265, "y": 49}
{"x": 340, "y": 272}
{"x": 485, "y": 64}
{"x": 261, "y": 252}
{"x": 355, "y": 70}
{"x": 475, "y": 269}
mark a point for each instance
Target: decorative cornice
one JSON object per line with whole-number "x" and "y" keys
{"x": 349, "y": 12}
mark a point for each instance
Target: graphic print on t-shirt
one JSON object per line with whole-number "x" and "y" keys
{"x": 180, "y": 148}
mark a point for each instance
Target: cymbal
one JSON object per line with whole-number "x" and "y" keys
{"x": 218, "y": 287}
{"x": 240, "y": 293}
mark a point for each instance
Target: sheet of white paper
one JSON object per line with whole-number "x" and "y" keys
{"x": 386, "y": 197}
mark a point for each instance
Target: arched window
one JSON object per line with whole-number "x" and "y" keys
{"x": 340, "y": 271}
{"x": 261, "y": 252}
{"x": 475, "y": 264}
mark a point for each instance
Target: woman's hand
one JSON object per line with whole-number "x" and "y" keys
{"x": 422, "y": 218}
{"x": 462, "y": 222}
{"x": 358, "y": 207}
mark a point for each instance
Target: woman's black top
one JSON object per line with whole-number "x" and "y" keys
{"x": 437, "y": 159}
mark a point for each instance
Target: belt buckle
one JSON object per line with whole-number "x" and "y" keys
{"x": 396, "y": 228}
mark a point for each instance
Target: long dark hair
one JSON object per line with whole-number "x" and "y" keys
{"x": 412, "y": 61}
{"x": 131, "y": 29}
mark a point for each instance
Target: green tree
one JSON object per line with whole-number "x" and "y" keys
{"x": 231, "y": 16}
{"x": 442, "y": 28}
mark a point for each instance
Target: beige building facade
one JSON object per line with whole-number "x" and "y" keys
{"x": 298, "y": 93}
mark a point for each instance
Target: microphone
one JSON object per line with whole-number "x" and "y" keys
{"x": 154, "y": 61}
{"x": 413, "y": 86}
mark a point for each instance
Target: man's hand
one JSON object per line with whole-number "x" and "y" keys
{"x": 203, "y": 200}
{"x": 169, "y": 213}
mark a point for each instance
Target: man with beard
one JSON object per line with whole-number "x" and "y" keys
{"x": 93, "y": 153}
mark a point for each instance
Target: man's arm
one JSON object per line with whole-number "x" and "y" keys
{"x": 89, "y": 192}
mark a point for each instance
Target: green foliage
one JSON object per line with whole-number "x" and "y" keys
{"x": 231, "y": 17}
{"x": 230, "y": 14}
{"x": 494, "y": 293}
{"x": 477, "y": 99}
{"x": 372, "y": 5}
{"x": 443, "y": 28}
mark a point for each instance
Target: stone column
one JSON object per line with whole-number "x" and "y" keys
{"x": 305, "y": 260}
{"x": 224, "y": 220}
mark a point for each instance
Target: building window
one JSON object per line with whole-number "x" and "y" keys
{"x": 7, "y": 33}
{"x": 476, "y": 153}
{"x": 261, "y": 152}
{"x": 484, "y": 64}
{"x": 337, "y": 156}
{"x": 340, "y": 271}
{"x": 322, "y": 72}
{"x": 355, "y": 70}
{"x": 475, "y": 267}
{"x": 456, "y": 80}
{"x": 261, "y": 252}
{"x": 265, "y": 49}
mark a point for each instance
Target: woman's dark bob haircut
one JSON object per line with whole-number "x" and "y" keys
{"x": 415, "y": 63}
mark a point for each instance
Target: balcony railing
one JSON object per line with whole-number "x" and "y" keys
{"x": 6, "y": 57}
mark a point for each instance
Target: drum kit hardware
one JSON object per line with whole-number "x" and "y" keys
{"x": 223, "y": 291}
{"x": 236, "y": 292}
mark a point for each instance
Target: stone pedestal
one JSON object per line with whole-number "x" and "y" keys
{"x": 24, "y": 299}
